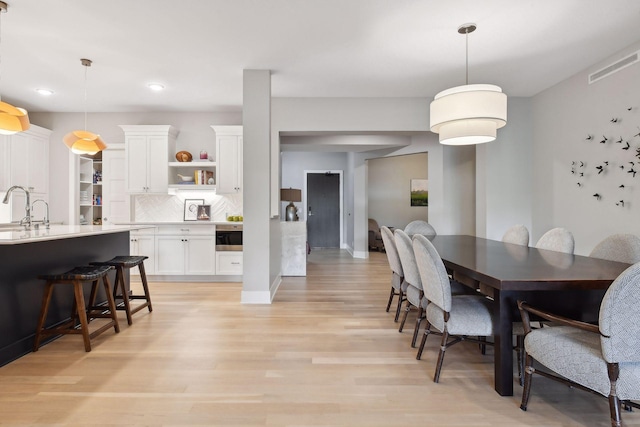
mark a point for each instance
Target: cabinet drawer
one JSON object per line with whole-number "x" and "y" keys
{"x": 180, "y": 230}
{"x": 229, "y": 263}
{"x": 143, "y": 232}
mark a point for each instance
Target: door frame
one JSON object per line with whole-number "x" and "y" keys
{"x": 341, "y": 188}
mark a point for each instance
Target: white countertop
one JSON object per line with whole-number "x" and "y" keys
{"x": 57, "y": 232}
{"x": 185, "y": 223}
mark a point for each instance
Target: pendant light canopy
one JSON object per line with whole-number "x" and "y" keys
{"x": 469, "y": 114}
{"x": 12, "y": 119}
{"x": 83, "y": 141}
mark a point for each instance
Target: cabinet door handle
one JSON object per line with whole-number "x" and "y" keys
{"x": 235, "y": 263}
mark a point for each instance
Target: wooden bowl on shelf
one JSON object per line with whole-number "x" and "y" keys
{"x": 184, "y": 156}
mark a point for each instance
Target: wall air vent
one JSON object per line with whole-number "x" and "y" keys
{"x": 616, "y": 66}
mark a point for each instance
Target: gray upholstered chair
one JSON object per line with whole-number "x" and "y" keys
{"x": 517, "y": 234}
{"x": 398, "y": 285}
{"x": 414, "y": 293}
{"x": 557, "y": 239}
{"x": 420, "y": 227}
{"x": 603, "y": 358}
{"x": 375, "y": 237}
{"x": 618, "y": 247}
{"x": 455, "y": 316}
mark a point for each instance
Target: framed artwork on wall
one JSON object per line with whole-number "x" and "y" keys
{"x": 419, "y": 192}
{"x": 191, "y": 209}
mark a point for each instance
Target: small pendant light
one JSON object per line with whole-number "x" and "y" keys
{"x": 83, "y": 141}
{"x": 12, "y": 119}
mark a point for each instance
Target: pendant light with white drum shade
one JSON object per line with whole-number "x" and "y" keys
{"x": 469, "y": 114}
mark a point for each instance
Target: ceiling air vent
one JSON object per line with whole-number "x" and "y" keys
{"x": 616, "y": 66}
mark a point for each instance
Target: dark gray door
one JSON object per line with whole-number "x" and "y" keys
{"x": 323, "y": 210}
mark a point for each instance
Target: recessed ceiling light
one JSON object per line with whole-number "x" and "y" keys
{"x": 44, "y": 92}
{"x": 155, "y": 86}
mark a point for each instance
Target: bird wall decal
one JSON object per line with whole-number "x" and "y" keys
{"x": 620, "y": 203}
{"x": 597, "y": 196}
{"x": 589, "y": 137}
{"x": 600, "y": 169}
{"x": 604, "y": 139}
{"x": 626, "y": 147}
{"x": 615, "y": 120}
{"x": 621, "y": 186}
{"x": 632, "y": 171}
{"x": 619, "y": 141}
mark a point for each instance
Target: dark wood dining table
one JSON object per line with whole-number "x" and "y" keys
{"x": 567, "y": 284}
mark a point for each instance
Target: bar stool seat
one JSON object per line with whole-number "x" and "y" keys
{"x": 120, "y": 289}
{"x": 81, "y": 312}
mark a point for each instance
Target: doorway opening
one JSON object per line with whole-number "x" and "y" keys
{"x": 323, "y": 207}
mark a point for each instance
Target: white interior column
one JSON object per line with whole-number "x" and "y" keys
{"x": 256, "y": 122}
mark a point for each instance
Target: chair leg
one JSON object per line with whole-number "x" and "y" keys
{"x": 614, "y": 401}
{"x": 427, "y": 331}
{"x": 528, "y": 376}
{"x": 391, "y": 295}
{"x": 399, "y": 307}
{"x": 483, "y": 347}
{"x": 443, "y": 348}
{"x": 520, "y": 358}
{"x": 417, "y": 327}
{"x": 404, "y": 318}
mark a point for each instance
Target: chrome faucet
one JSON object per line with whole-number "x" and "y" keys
{"x": 26, "y": 221}
{"x": 46, "y": 215}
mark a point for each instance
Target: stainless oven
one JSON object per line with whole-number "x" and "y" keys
{"x": 229, "y": 237}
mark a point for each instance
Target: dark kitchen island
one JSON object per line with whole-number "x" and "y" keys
{"x": 26, "y": 254}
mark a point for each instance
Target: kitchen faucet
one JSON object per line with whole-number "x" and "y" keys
{"x": 26, "y": 221}
{"x": 46, "y": 215}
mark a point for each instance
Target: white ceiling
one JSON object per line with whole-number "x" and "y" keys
{"x": 316, "y": 48}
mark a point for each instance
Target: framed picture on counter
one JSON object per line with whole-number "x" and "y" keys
{"x": 191, "y": 209}
{"x": 204, "y": 213}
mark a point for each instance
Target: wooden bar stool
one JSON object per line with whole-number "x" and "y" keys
{"x": 80, "y": 312}
{"x": 120, "y": 288}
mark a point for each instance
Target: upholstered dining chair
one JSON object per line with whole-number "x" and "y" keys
{"x": 618, "y": 247}
{"x": 557, "y": 239}
{"x": 414, "y": 293}
{"x": 398, "y": 284}
{"x": 459, "y": 317}
{"x": 517, "y": 234}
{"x": 603, "y": 358}
{"x": 420, "y": 227}
{"x": 375, "y": 238}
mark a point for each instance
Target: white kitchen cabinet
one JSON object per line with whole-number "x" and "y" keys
{"x": 228, "y": 159}
{"x": 90, "y": 191}
{"x": 147, "y": 150}
{"x": 143, "y": 242}
{"x": 185, "y": 250}
{"x": 229, "y": 263}
{"x": 24, "y": 159}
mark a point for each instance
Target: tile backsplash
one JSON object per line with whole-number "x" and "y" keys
{"x": 170, "y": 208}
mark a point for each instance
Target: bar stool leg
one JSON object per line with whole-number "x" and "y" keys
{"x": 82, "y": 314}
{"x": 145, "y": 285}
{"x": 111, "y": 302}
{"x": 125, "y": 296}
{"x": 44, "y": 309}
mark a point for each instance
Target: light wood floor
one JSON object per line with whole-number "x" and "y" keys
{"x": 325, "y": 353}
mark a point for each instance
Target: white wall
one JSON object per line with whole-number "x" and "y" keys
{"x": 504, "y": 174}
{"x": 563, "y": 116}
{"x": 389, "y": 189}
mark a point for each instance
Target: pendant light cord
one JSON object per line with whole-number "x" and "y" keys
{"x": 466, "y": 55}
{"x": 85, "y": 97}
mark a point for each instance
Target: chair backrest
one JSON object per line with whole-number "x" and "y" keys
{"x": 620, "y": 318}
{"x": 408, "y": 259}
{"x": 391, "y": 250}
{"x": 517, "y": 234}
{"x": 557, "y": 239}
{"x": 420, "y": 227}
{"x": 437, "y": 288}
{"x": 373, "y": 225}
{"x": 618, "y": 247}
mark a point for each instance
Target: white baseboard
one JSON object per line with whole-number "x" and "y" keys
{"x": 361, "y": 254}
{"x": 261, "y": 297}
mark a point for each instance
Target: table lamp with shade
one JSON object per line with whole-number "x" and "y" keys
{"x": 291, "y": 195}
